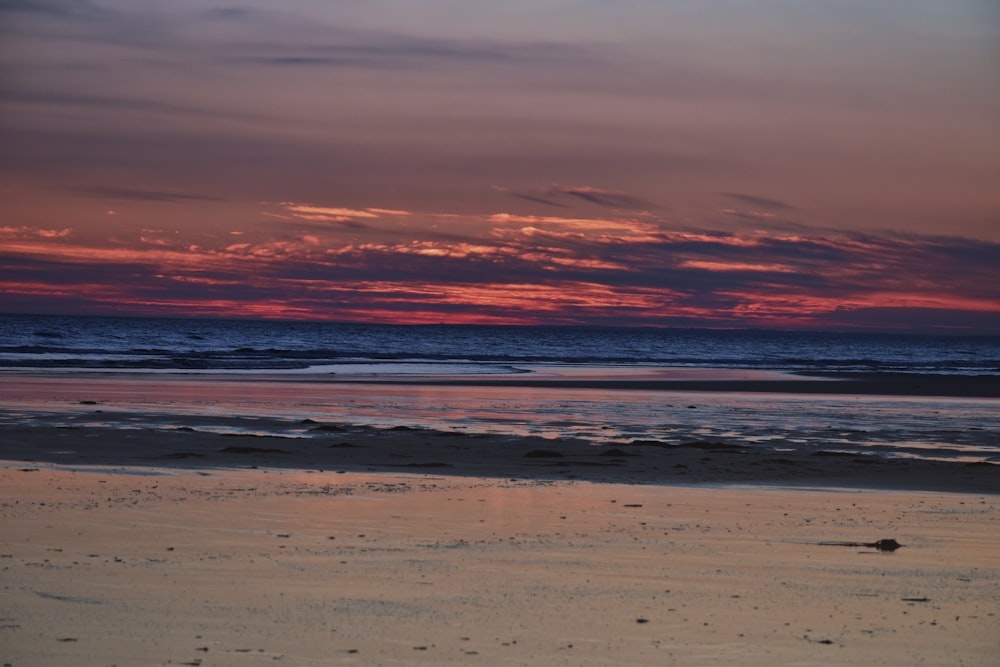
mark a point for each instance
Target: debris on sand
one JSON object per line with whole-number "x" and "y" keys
{"x": 885, "y": 544}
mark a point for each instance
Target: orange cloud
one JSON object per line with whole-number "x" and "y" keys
{"x": 24, "y": 231}
{"x": 305, "y": 210}
{"x": 591, "y": 264}
{"x": 388, "y": 211}
{"x": 734, "y": 266}
{"x": 578, "y": 224}
{"x": 314, "y": 213}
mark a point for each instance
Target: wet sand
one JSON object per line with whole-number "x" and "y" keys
{"x": 863, "y": 384}
{"x": 123, "y": 439}
{"x": 617, "y": 410}
{"x": 49, "y": 383}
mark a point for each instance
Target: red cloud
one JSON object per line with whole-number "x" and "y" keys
{"x": 510, "y": 268}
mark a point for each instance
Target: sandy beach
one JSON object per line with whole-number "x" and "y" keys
{"x": 142, "y": 546}
{"x": 238, "y": 568}
{"x": 199, "y": 521}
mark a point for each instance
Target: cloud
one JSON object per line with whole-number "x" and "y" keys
{"x": 753, "y": 216}
{"x": 23, "y": 231}
{"x": 601, "y": 197}
{"x": 623, "y": 229}
{"x": 165, "y": 196}
{"x": 54, "y": 8}
{"x": 346, "y": 217}
{"x": 309, "y": 212}
{"x": 760, "y": 202}
{"x": 534, "y": 198}
{"x": 228, "y": 13}
{"x": 373, "y": 49}
{"x": 38, "y": 94}
{"x": 389, "y": 211}
{"x": 556, "y": 196}
{"x": 733, "y": 266}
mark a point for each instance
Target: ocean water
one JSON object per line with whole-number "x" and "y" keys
{"x": 163, "y": 371}
{"x": 196, "y": 345}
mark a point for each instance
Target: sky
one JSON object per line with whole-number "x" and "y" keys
{"x": 828, "y": 164}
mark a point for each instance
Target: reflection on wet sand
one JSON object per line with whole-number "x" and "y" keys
{"x": 954, "y": 428}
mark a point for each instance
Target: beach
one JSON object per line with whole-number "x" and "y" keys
{"x": 147, "y": 528}
{"x": 499, "y": 334}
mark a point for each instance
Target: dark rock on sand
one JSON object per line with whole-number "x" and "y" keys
{"x": 885, "y": 544}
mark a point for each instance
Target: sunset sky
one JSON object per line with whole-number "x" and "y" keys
{"x": 724, "y": 163}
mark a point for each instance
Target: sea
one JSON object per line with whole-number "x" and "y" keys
{"x": 204, "y": 345}
{"x": 381, "y": 375}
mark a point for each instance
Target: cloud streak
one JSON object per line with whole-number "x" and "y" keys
{"x": 561, "y": 196}
{"x": 394, "y": 51}
{"x": 759, "y": 202}
{"x": 602, "y": 197}
{"x": 128, "y": 194}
